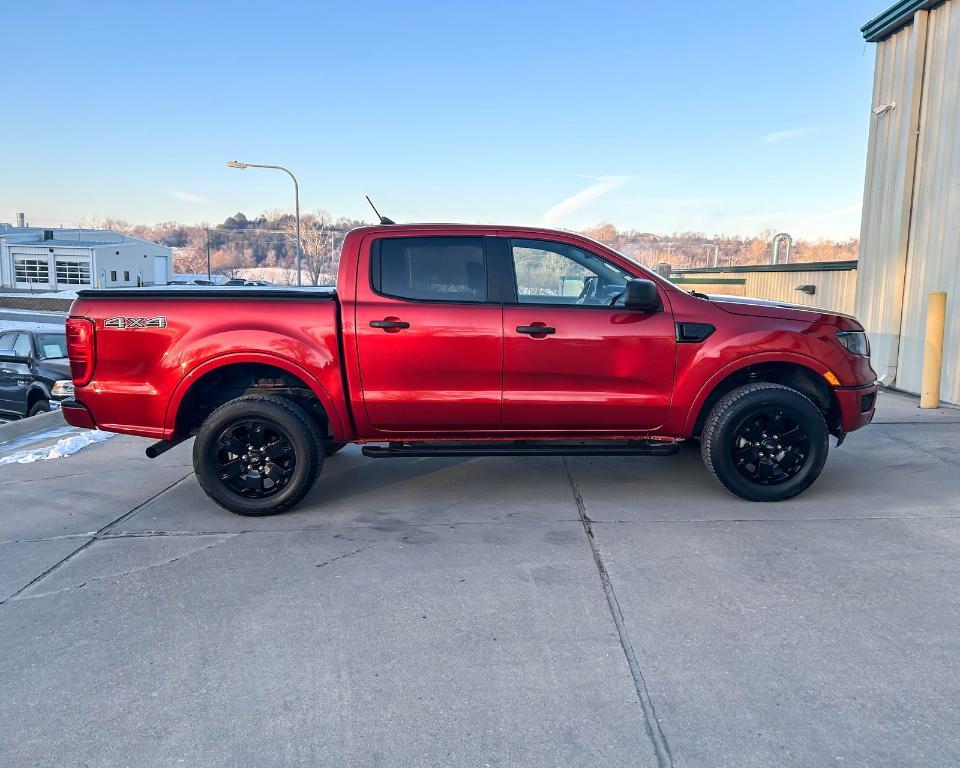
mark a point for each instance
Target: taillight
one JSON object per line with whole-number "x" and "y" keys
{"x": 81, "y": 349}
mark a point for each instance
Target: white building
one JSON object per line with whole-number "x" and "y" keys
{"x": 910, "y": 235}
{"x": 34, "y": 258}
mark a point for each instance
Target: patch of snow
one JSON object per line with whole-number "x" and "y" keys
{"x": 41, "y": 294}
{"x": 16, "y": 325}
{"x": 282, "y": 275}
{"x": 61, "y": 449}
{"x": 53, "y": 315}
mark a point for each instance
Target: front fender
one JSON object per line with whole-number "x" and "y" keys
{"x": 683, "y": 421}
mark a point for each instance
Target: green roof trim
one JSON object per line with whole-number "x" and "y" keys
{"x": 894, "y": 18}
{"x": 710, "y": 280}
{"x": 793, "y": 266}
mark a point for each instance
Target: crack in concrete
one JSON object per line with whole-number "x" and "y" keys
{"x": 100, "y": 473}
{"x": 119, "y": 575}
{"x": 654, "y": 732}
{"x": 926, "y": 451}
{"x": 344, "y": 556}
{"x": 711, "y": 521}
{"x": 41, "y": 539}
{"x": 97, "y": 536}
{"x": 593, "y": 521}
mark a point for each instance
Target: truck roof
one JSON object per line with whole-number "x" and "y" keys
{"x": 465, "y": 228}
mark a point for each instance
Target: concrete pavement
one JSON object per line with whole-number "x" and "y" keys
{"x": 502, "y": 612}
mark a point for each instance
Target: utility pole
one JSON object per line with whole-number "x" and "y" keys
{"x": 207, "y": 230}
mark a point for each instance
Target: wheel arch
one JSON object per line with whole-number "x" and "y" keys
{"x": 798, "y": 372}
{"x": 36, "y": 393}
{"x": 228, "y": 376}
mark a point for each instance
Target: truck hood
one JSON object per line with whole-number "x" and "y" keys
{"x": 59, "y": 366}
{"x": 745, "y": 305}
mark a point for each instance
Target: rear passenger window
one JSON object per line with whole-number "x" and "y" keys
{"x": 430, "y": 268}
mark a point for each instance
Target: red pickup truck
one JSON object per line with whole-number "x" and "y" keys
{"x": 456, "y": 340}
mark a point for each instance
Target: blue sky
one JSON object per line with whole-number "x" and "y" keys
{"x": 703, "y": 116}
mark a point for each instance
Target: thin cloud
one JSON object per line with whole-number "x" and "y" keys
{"x": 600, "y": 187}
{"x": 836, "y": 223}
{"x": 187, "y": 197}
{"x": 791, "y": 133}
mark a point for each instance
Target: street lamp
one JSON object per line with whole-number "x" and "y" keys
{"x": 296, "y": 197}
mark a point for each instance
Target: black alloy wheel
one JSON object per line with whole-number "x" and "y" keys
{"x": 770, "y": 445}
{"x": 255, "y": 458}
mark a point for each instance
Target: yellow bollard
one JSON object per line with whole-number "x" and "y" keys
{"x": 933, "y": 350}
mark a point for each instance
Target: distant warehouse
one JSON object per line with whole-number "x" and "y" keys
{"x": 910, "y": 235}
{"x": 38, "y": 259}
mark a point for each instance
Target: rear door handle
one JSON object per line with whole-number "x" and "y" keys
{"x": 389, "y": 324}
{"x": 534, "y": 330}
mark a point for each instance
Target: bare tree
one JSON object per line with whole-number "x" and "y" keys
{"x": 318, "y": 246}
{"x": 192, "y": 257}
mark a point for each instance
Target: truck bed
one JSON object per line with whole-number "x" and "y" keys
{"x": 258, "y": 292}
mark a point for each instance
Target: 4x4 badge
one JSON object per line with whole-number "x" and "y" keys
{"x": 135, "y": 322}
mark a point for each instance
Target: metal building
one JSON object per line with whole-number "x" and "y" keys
{"x": 38, "y": 259}
{"x": 910, "y": 233}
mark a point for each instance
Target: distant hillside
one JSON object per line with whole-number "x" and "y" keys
{"x": 267, "y": 241}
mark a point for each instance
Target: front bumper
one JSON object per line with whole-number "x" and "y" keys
{"x": 857, "y": 406}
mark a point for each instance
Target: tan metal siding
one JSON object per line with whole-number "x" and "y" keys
{"x": 888, "y": 191}
{"x": 933, "y": 262}
{"x": 836, "y": 289}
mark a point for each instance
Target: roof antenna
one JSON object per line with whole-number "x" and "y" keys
{"x": 383, "y": 219}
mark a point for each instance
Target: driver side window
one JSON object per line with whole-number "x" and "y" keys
{"x": 555, "y": 273}
{"x": 23, "y": 347}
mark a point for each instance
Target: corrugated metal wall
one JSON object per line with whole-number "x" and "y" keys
{"x": 887, "y": 194}
{"x": 910, "y": 234}
{"x": 933, "y": 256}
{"x": 835, "y": 288}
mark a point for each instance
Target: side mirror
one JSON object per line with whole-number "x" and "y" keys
{"x": 642, "y": 295}
{"x": 10, "y": 356}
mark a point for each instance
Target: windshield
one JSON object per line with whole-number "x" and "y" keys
{"x": 52, "y": 344}
{"x": 649, "y": 270}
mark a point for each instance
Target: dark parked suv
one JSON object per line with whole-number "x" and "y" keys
{"x": 34, "y": 371}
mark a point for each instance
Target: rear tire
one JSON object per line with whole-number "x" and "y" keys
{"x": 765, "y": 442}
{"x": 257, "y": 455}
{"x": 41, "y": 406}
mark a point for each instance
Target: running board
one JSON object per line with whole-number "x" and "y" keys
{"x": 523, "y": 448}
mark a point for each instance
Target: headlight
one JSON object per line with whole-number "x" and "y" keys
{"x": 855, "y": 342}
{"x": 62, "y": 388}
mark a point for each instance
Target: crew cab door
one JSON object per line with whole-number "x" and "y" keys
{"x": 595, "y": 367}
{"x": 429, "y": 333}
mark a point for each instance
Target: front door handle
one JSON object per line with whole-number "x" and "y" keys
{"x": 389, "y": 324}
{"x": 536, "y": 330}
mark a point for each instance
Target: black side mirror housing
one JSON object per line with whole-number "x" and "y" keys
{"x": 642, "y": 295}
{"x": 9, "y": 356}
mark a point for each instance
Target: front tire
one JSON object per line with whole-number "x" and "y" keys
{"x": 41, "y": 406}
{"x": 257, "y": 455}
{"x": 765, "y": 442}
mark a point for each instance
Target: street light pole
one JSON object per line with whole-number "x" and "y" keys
{"x": 296, "y": 198}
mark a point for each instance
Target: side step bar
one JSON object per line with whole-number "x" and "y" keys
{"x": 523, "y": 448}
